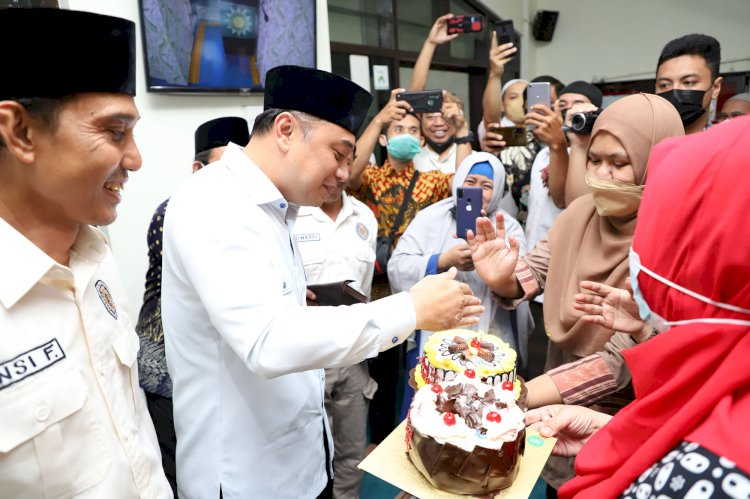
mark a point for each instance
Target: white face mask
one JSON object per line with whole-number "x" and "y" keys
{"x": 661, "y": 324}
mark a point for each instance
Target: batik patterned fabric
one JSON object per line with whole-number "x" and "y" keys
{"x": 383, "y": 191}
{"x": 152, "y": 363}
{"x": 518, "y": 162}
{"x": 690, "y": 471}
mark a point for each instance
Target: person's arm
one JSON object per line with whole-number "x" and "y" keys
{"x": 233, "y": 259}
{"x": 548, "y": 129}
{"x": 393, "y": 110}
{"x": 437, "y": 36}
{"x": 494, "y": 260}
{"x": 454, "y": 115}
{"x": 492, "y": 104}
{"x": 575, "y": 183}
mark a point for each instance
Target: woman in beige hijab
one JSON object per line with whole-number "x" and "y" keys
{"x": 589, "y": 241}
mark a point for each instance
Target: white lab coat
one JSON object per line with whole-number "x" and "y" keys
{"x": 243, "y": 351}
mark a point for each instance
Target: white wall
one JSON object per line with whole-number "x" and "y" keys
{"x": 165, "y": 138}
{"x": 606, "y": 40}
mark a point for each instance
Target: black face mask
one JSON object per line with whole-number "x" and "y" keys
{"x": 689, "y": 103}
{"x": 441, "y": 147}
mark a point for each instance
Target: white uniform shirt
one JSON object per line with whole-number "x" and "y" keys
{"x": 73, "y": 420}
{"x": 337, "y": 251}
{"x": 542, "y": 210}
{"x": 428, "y": 160}
{"x": 243, "y": 351}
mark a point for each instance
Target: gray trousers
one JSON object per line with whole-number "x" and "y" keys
{"x": 348, "y": 394}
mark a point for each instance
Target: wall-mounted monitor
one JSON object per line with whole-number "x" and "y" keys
{"x": 223, "y": 46}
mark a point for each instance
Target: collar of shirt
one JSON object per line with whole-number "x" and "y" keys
{"x": 260, "y": 188}
{"x": 23, "y": 264}
{"x": 389, "y": 170}
{"x": 347, "y": 209}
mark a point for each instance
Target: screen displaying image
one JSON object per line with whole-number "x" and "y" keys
{"x": 224, "y": 46}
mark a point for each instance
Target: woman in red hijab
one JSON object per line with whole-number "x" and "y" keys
{"x": 687, "y": 432}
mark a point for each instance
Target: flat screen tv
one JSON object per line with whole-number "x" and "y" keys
{"x": 222, "y": 46}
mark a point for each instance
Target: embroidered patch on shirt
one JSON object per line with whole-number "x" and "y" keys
{"x": 313, "y": 236}
{"x": 362, "y": 231}
{"x": 29, "y": 363}
{"x": 106, "y": 298}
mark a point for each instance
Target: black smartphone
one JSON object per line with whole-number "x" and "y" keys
{"x": 423, "y": 101}
{"x": 513, "y": 136}
{"x": 504, "y": 32}
{"x": 469, "y": 23}
{"x": 468, "y": 209}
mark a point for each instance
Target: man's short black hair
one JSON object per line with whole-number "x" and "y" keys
{"x": 384, "y": 129}
{"x": 203, "y": 156}
{"x": 703, "y": 46}
{"x": 264, "y": 121}
{"x": 553, "y": 82}
{"x": 44, "y": 109}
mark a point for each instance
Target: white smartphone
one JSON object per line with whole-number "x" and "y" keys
{"x": 538, "y": 93}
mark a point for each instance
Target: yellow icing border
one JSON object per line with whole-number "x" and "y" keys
{"x": 482, "y": 370}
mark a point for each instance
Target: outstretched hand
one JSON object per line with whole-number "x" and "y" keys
{"x": 572, "y": 425}
{"x": 494, "y": 260}
{"x": 441, "y": 302}
{"x": 613, "y": 308}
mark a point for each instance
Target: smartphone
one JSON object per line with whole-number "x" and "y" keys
{"x": 538, "y": 93}
{"x": 504, "y": 32}
{"x": 468, "y": 209}
{"x": 423, "y": 101}
{"x": 469, "y": 23}
{"x": 513, "y": 136}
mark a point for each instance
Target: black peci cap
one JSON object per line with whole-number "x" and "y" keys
{"x": 220, "y": 132}
{"x": 53, "y": 53}
{"x": 319, "y": 93}
{"x": 584, "y": 88}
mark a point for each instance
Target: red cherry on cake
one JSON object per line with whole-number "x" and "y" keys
{"x": 437, "y": 388}
{"x": 493, "y": 417}
{"x": 507, "y": 385}
{"x": 449, "y": 418}
{"x": 469, "y": 373}
{"x": 476, "y": 343}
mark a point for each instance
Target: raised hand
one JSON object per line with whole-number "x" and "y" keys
{"x": 610, "y": 307}
{"x": 394, "y": 110}
{"x": 441, "y": 303}
{"x": 494, "y": 260}
{"x": 439, "y": 31}
{"x": 572, "y": 425}
{"x": 492, "y": 142}
{"x": 500, "y": 55}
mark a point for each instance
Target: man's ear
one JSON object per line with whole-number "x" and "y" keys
{"x": 197, "y": 165}
{"x": 717, "y": 87}
{"x": 383, "y": 140}
{"x": 421, "y": 140}
{"x": 284, "y": 127}
{"x": 16, "y": 130}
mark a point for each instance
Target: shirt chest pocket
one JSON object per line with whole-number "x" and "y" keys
{"x": 51, "y": 443}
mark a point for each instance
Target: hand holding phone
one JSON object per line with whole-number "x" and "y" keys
{"x": 504, "y": 32}
{"x": 468, "y": 209}
{"x": 470, "y": 23}
{"x": 513, "y": 136}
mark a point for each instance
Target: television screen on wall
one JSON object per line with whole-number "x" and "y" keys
{"x": 223, "y": 46}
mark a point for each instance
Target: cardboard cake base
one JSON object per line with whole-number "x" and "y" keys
{"x": 389, "y": 462}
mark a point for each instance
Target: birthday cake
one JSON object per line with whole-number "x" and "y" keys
{"x": 462, "y": 351}
{"x": 465, "y": 436}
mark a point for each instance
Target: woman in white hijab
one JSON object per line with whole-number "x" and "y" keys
{"x": 429, "y": 245}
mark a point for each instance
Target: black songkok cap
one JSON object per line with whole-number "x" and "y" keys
{"x": 220, "y": 132}
{"x": 53, "y": 53}
{"x": 319, "y": 93}
{"x": 584, "y": 88}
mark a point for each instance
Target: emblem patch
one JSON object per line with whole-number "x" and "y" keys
{"x": 106, "y": 298}
{"x": 362, "y": 231}
{"x": 29, "y": 363}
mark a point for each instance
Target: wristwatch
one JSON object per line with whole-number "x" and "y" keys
{"x": 466, "y": 139}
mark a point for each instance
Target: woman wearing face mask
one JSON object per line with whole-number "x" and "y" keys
{"x": 589, "y": 241}
{"x": 430, "y": 246}
{"x": 686, "y": 433}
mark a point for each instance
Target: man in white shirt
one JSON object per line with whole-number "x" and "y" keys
{"x": 244, "y": 352}
{"x": 337, "y": 243}
{"x": 74, "y": 420}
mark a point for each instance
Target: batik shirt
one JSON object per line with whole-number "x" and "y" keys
{"x": 518, "y": 162}
{"x": 383, "y": 191}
